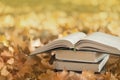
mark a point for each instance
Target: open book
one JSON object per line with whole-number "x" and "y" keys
{"x": 79, "y": 66}
{"x": 96, "y": 42}
{"x": 82, "y": 56}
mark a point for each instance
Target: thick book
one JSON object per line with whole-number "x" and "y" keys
{"x": 97, "y": 42}
{"x": 83, "y": 56}
{"x": 80, "y": 66}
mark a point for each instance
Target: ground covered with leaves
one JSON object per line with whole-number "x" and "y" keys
{"x": 25, "y": 25}
{"x": 19, "y": 35}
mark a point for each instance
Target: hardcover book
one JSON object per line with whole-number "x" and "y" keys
{"x": 83, "y": 56}
{"x": 96, "y": 42}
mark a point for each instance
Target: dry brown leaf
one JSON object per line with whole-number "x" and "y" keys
{"x": 1, "y": 63}
{"x": 4, "y": 71}
{"x": 6, "y": 54}
{"x": 87, "y": 75}
{"x": 10, "y": 61}
{"x": 34, "y": 44}
{"x": 73, "y": 76}
{"x": 49, "y": 75}
{"x": 62, "y": 75}
{"x": 3, "y": 40}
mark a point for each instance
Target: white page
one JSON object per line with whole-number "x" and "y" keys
{"x": 75, "y": 37}
{"x": 105, "y": 39}
{"x": 69, "y": 41}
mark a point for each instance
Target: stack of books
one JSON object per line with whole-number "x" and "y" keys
{"x": 79, "y": 60}
{"x": 79, "y": 51}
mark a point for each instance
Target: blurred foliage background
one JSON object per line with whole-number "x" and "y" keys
{"x": 27, "y": 24}
{"x": 25, "y": 6}
{"x": 61, "y": 17}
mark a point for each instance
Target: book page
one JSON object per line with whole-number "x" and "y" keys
{"x": 66, "y": 42}
{"x": 75, "y": 37}
{"x": 105, "y": 39}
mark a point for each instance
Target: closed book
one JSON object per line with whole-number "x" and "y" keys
{"x": 83, "y": 56}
